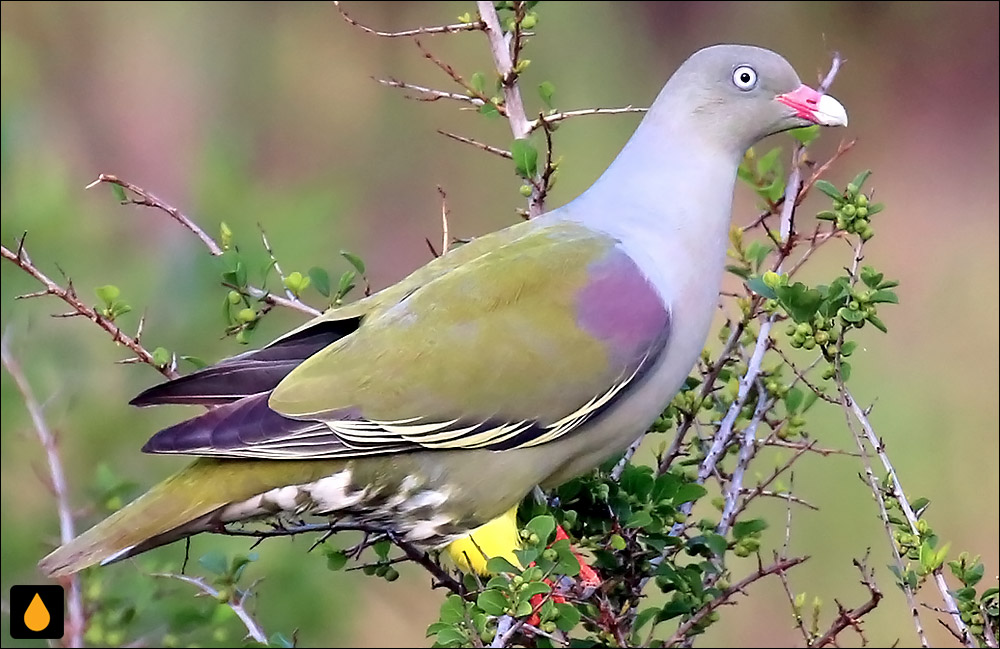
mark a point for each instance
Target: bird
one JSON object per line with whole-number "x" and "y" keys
{"x": 522, "y": 358}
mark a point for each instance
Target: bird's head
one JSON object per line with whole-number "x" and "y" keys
{"x": 739, "y": 94}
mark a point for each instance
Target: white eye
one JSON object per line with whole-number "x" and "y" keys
{"x": 745, "y": 77}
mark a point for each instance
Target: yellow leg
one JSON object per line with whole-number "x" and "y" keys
{"x": 498, "y": 538}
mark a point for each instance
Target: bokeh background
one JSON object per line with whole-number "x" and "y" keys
{"x": 267, "y": 113}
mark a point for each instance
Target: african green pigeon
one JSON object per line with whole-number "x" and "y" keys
{"x": 525, "y": 357}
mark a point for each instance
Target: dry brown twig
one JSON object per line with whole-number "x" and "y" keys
{"x": 147, "y": 199}
{"x": 68, "y": 295}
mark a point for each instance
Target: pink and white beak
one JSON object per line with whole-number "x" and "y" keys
{"x": 809, "y": 104}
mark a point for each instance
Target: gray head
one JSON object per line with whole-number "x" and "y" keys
{"x": 734, "y": 95}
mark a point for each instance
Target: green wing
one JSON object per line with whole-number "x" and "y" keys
{"x": 485, "y": 353}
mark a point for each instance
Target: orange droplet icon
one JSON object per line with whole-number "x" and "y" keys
{"x": 36, "y": 617}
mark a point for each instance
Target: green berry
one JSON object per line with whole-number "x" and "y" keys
{"x": 234, "y": 297}
{"x": 861, "y": 201}
{"x": 246, "y": 315}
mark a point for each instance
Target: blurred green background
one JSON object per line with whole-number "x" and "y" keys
{"x": 267, "y": 113}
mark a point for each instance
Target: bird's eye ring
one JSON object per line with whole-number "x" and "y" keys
{"x": 745, "y": 77}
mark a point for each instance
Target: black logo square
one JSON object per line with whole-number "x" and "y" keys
{"x": 37, "y": 612}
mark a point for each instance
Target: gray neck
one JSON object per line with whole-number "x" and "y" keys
{"x": 668, "y": 180}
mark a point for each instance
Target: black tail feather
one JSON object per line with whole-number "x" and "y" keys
{"x": 250, "y": 373}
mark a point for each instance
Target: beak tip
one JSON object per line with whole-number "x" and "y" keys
{"x": 830, "y": 112}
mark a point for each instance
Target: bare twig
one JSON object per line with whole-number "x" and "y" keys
{"x": 442, "y": 576}
{"x": 850, "y": 618}
{"x": 554, "y": 118}
{"x": 505, "y": 52}
{"x": 504, "y": 63}
{"x": 780, "y": 566}
{"x": 851, "y": 404}
{"x": 57, "y": 477}
{"x": 274, "y": 262}
{"x": 237, "y": 602}
{"x": 419, "y": 31}
{"x": 147, "y": 199}
{"x": 432, "y": 94}
{"x": 445, "y": 231}
{"x": 479, "y": 145}
{"x": 616, "y": 473}
{"x": 68, "y": 295}
{"x": 734, "y": 489}
{"x": 873, "y": 484}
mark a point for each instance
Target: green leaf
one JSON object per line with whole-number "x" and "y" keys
{"x": 768, "y": 162}
{"x": 452, "y": 637}
{"x": 871, "y": 277}
{"x": 525, "y": 157}
{"x": 860, "y": 179}
{"x": 382, "y": 548}
{"x": 885, "y": 296}
{"x": 492, "y": 602}
{"x": 757, "y": 252}
{"x": 335, "y": 559}
{"x": 845, "y": 370}
{"x": 543, "y": 527}
{"x": 478, "y": 82}
{"x": 453, "y": 610}
{"x": 214, "y": 562}
{"x": 535, "y": 588}
{"x": 688, "y": 492}
{"x": 489, "y": 109}
{"x": 806, "y": 135}
{"x": 617, "y": 541}
{"x": 198, "y": 363}
{"x": 800, "y": 301}
{"x": 640, "y": 518}
{"x": 497, "y": 565}
{"x": 161, "y": 357}
{"x": 568, "y": 618}
{"x": 354, "y": 260}
{"x": 279, "y": 639}
{"x": 545, "y": 90}
{"x": 643, "y": 618}
{"x": 320, "y": 280}
{"x": 346, "y": 283}
{"x": 118, "y": 192}
{"x": 973, "y": 575}
{"x": 108, "y": 293}
{"x": 793, "y": 399}
{"x": 757, "y": 285}
{"x": 877, "y": 323}
{"x": 746, "y": 528}
{"x": 830, "y": 190}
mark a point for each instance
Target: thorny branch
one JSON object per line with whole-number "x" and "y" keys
{"x": 419, "y": 31}
{"x": 147, "y": 199}
{"x": 237, "y": 601}
{"x": 850, "y": 618}
{"x": 68, "y": 295}
{"x": 782, "y": 565}
{"x": 76, "y": 619}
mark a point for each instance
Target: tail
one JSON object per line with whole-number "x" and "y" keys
{"x": 197, "y": 499}
{"x": 170, "y": 511}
